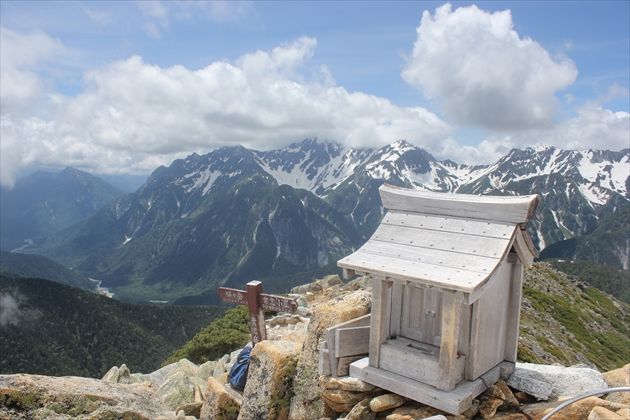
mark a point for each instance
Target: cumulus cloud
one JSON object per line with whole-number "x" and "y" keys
{"x": 483, "y": 73}
{"x": 593, "y": 127}
{"x": 19, "y": 56}
{"x": 133, "y": 116}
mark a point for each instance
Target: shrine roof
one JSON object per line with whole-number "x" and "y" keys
{"x": 452, "y": 241}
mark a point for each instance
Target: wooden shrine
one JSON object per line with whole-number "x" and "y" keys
{"x": 447, "y": 275}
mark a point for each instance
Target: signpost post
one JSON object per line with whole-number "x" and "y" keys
{"x": 257, "y": 302}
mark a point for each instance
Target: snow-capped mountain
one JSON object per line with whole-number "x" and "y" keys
{"x": 576, "y": 186}
{"x": 236, "y": 214}
{"x": 202, "y": 222}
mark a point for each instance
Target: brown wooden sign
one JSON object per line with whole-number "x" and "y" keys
{"x": 257, "y": 302}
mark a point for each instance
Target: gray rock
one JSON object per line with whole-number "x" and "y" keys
{"x": 304, "y": 311}
{"x": 206, "y": 370}
{"x": 268, "y": 391}
{"x": 136, "y": 378}
{"x": 77, "y": 398}
{"x": 111, "y": 375}
{"x": 546, "y": 381}
{"x": 219, "y": 402}
{"x": 179, "y": 389}
{"x": 124, "y": 374}
{"x": 219, "y": 368}
{"x": 159, "y": 376}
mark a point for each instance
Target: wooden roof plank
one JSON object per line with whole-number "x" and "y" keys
{"x": 479, "y": 264}
{"x": 500, "y": 230}
{"x": 439, "y": 276}
{"x": 498, "y": 208}
{"x": 446, "y": 241}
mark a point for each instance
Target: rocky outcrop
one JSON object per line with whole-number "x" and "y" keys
{"x": 328, "y": 308}
{"x": 219, "y": 403}
{"x": 545, "y": 381}
{"x": 40, "y": 397}
{"x": 268, "y": 392}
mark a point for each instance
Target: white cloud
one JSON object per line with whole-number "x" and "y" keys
{"x": 593, "y": 127}
{"x": 9, "y": 310}
{"x": 483, "y": 73}
{"x": 99, "y": 17}
{"x": 19, "y": 56}
{"x": 158, "y": 16}
{"x": 133, "y": 116}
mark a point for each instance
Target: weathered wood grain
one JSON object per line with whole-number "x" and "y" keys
{"x": 449, "y": 373}
{"x": 453, "y": 402}
{"x": 380, "y": 321}
{"x": 352, "y": 341}
{"x": 462, "y": 225}
{"x": 498, "y": 208}
{"x": 512, "y": 322}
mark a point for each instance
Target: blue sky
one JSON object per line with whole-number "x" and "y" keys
{"x": 71, "y": 71}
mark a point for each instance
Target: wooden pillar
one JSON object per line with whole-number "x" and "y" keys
{"x": 451, "y": 316}
{"x": 256, "y": 313}
{"x": 514, "y": 311}
{"x": 380, "y": 319}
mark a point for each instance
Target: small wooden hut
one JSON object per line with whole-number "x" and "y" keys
{"x": 447, "y": 275}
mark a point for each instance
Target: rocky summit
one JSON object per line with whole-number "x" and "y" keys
{"x": 284, "y": 382}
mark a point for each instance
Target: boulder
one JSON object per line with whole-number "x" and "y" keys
{"x": 361, "y": 411}
{"x": 219, "y": 403}
{"x": 206, "y": 369}
{"x": 546, "y": 381}
{"x": 510, "y": 416}
{"x": 124, "y": 374}
{"x": 412, "y": 413}
{"x": 317, "y": 286}
{"x": 219, "y": 368}
{"x": 386, "y": 402}
{"x": 509, "y": 400}
{"x": 179, "y": 388}
{"x": 111, "y": 375}
{"x": 347, "y": 383}
{"x": 624, "y": 412}
{"x": 578, "y": 410}
{"x": 616, "y": 378}
{"x": 601, "y": 413}
{"x": 307, "y": 403}
{"x": 341, "y": 401}
{"x": 488, "y": 407}
{"x": 159, "y": 376}
{"x": 267, "y": 394}
{"x": 190, "y": 409}
{"x": 36, "y": 396}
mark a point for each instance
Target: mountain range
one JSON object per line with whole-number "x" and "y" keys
{"x": 40, "y": 267}
{"x": 235, "y": 214}
{"x": 42, "y": 203}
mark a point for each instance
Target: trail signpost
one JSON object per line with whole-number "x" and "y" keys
{"x": 257, "y": 302}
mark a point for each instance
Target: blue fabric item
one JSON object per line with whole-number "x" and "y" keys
{"x": 238, "y": 374}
